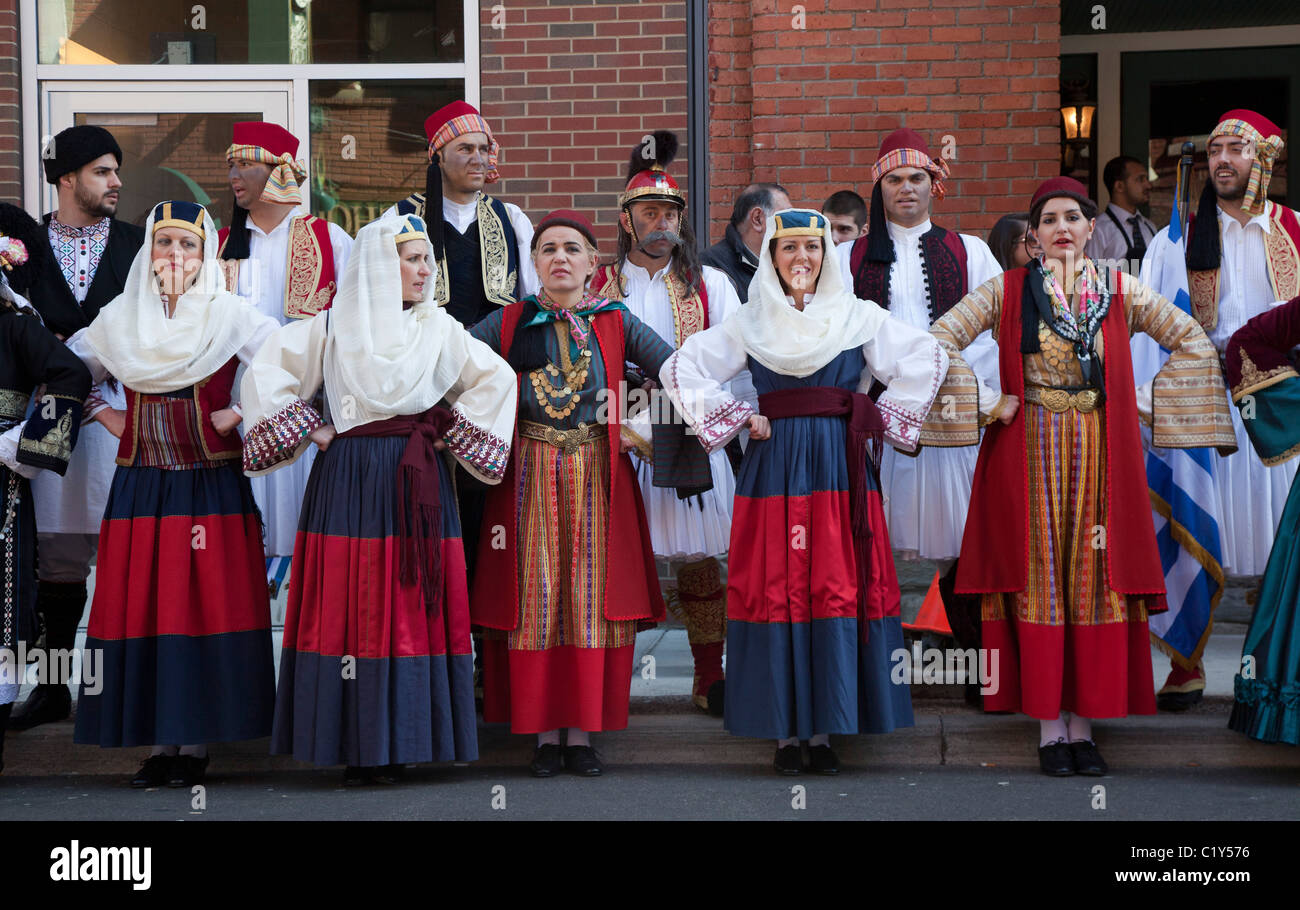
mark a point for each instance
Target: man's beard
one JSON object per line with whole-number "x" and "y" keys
{"x": 93, "y": 205}
{"x": 1234, "y": 192}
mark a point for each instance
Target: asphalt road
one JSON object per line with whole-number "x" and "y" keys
{"x": 677, "y": 792}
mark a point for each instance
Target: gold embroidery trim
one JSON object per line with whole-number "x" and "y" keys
{"x": 306, "y": 262}
{"x": 13, "y": 404}
{"x": 1203, "y": 288}
{"x": 1282, "y": 258}
{"x": 688, "y": 310}
{"x": 498, "y": 284}
{"x": 57, "y": 443}
{"x": 202, "y": 424}
{"x": 1253, "y": 379}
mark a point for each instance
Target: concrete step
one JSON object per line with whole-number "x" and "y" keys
{"x": 944, "y": 734}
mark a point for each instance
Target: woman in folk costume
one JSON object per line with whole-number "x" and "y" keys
{"x": 812, "y": 598}
{"x": 1059, "y": 543}
{"x": 180, "y": 613}
{"x": 31, "y": 357}
{"x": 1266, "y": 389}
{"x": 576, "y": 574}
{"x": 377, "y": 668}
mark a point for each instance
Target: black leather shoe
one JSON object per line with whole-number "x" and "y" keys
{"x": 187, "y": 771}
{"x": 388, "y": 774}
{"x": 153, "y": 773}
{"x": 789, "y": 760}
{"x": 582, "y": 761}
{"x": 1178, "y": 701}
{"x": 716, "y": 697}
{"x": 822, "y": 760}
{"x": 548, "y": 760}
{"x": 47, "y": 704}
{"x": 355, "y": 776}
{"x": 1056, "y": 759}
{"x": 1087, "y": 760}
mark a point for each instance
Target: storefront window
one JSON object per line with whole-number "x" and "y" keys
{"x": 250, "y": 31}
{"x": 367, "y": 140}
{"x": 172, "y": 155}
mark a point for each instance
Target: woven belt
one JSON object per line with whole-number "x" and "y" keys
{"x": 1059, "y": 400}
{"x": 568, "y": 440}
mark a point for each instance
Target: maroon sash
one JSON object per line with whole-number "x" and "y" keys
{"x": 419, "y": 503}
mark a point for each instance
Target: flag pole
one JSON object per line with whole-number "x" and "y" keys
{"x": 1184, "y": 189}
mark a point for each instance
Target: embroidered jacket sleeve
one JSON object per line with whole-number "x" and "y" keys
{"x": 644, "y": 348}
{"x": 483, "y": 401}
{"x": 278, "y": 382}
{"x": 45, "y": 440}
{"x": 694, "y": 378}
{"x": 912, "y": 365}
{"x": 1265, "y": 386}
{"x": 964, "y": 401}
{"x": 1186, "y": 399}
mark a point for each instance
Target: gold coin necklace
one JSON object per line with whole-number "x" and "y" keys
{"x": 566, "y": 381}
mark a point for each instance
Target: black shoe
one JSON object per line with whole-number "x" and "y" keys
{"x": 1056, "y": 759}
{"x": 153, "y": 773}
{"x": 187, "y": 771}
{"x": 1178, "y": 701}
{"x": 48, "y": 703}
{"x": 1087, "y": 760}
{"x": 789, "y": 760}
{"x": 548, "y": 760}
{"x": 716, "y": 697}
{"x": 582, "y": 761}
{"x": 388, "y": 774}
{"x": 355, "y": 776}
{"x": 822, "y": 760}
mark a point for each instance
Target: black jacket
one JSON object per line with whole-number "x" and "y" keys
{"x": 730, "y": 255}
{"x": 49, "y": 293}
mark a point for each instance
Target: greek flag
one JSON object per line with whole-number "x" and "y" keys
{"x": 1184, "y": 502}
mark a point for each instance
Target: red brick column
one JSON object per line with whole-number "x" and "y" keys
{"x": 569, "y": 89}
{"x": 11, "y": 153}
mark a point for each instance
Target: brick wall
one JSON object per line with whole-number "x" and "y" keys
{"x": 11, "y": 173}
{"x": 570, "y": 88}
{"x": 807, "y": 107}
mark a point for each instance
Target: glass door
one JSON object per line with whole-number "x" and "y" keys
{"x": 173, "y": 135}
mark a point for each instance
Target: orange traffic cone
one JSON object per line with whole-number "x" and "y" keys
{"x": 932, "y": 617}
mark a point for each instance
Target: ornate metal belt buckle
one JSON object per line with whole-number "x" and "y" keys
{"x": 1086, "y": 400}
{"x": 1055, "y": 400}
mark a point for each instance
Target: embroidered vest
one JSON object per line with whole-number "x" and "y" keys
{"x": 1282, "y": 247}
{"x": 690, "y": 310}
{"x": 943, "y": 265}
{"x": 498, "y": 250}
{"x": 309, "y": 279}
{"x": 174, "y": 430}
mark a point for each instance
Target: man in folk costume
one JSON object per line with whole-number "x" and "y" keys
{"x": 92, "y": 254}
{"x": 1243, "y": 256}
{"x": 287, "y": 264}
{"x": 917, "y": 270}
{"x": 478, "y": 239}
{"x": 658, "y": 276}
{"x": 477, "y": 244}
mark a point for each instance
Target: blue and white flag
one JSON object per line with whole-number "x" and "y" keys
{"x": 1184, "y": 501}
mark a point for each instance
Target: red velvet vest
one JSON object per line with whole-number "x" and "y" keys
{"x": 309, "y": 278}
{"x": 995, "y": 546}
{"x": 631, "y": 580}
{"x": 943, "y": 261}
{"x": 177, "y": 430}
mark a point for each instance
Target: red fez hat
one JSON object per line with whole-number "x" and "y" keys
{"x": 1258, "y": 122}
{"x": 904, "y": 139}
{"x": 444, "y": 115}
{"x": 1060, "y": 186}
{"x": 270, "y": 136}
{"x": 566, "y": 218}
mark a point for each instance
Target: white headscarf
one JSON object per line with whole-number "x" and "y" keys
{"x": 796, "y": 342}
{"x": 381, "y": 360}
{"x": 150, "y": 353}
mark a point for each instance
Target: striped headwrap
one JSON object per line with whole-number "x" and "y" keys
{"x": 937, "y": 168}
{"x": 1263, "y": 143}
{"x": 460, "y": 125}
{"x": 287, "y": 173}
